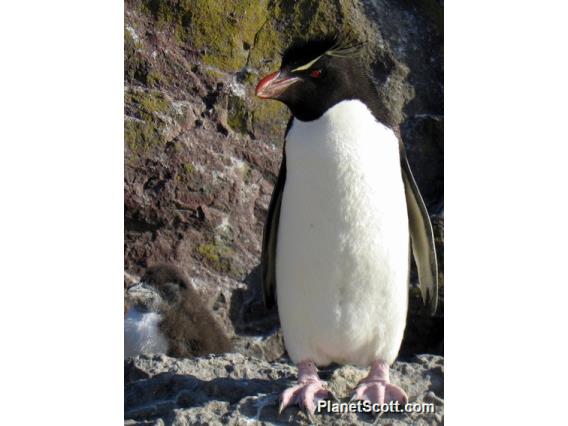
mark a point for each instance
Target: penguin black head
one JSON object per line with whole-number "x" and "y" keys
{"x": 317, "y": 74}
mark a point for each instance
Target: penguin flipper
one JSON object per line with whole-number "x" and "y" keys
{"x": 422, "y": 237}
{"x": 269, "y": 237}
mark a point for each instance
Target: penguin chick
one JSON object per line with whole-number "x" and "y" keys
{"x": 167, "y": 315}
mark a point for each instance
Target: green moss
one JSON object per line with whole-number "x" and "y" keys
{"x": 156, "y": 103}
{"x": 209, "y": 252}
{"x": 148, "y": 103}
{"x": 214, "y": 73}
{"x": 189, "y": 168}
{"x": 268, "y": 46}
{"x": 309, "y": 17}
{"x": 218, "y": 256}
{"x": 154, "y": 78}
{"x": 135, "y": 66}
{"x": 141, "y": 135}
{"x": 247, "y": 174}
{"x": 266, "y": 109}
{"x": 220, "y": 28}
{"x": 129, "y": 43}
{"x": 165, "y": 12}
{"x": 270, "y": 118}
{"x": 298, "y": 20}
{"x": 223, "y": 28}
{"x": 250, "y": 79}
{"x": 238, "y": 117}
{"x": 232, "y": 34}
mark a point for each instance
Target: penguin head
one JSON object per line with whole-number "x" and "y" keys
{"x": 315, "y": 75}
{"x": 161, "y": 287}
{"x": 168, "y": 281}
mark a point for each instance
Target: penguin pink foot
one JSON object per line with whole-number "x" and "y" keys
{"x": 309, "y": 390}
{"x": 376, "y": 387}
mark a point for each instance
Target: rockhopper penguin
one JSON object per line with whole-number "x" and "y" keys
{"x": 345, "y": 207}
{"x": 165, "y": 314}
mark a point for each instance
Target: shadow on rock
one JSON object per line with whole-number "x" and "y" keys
{"x": 257, "y": 329}
{"x": 160, "y": 395}
{"x": 248, "y": 313}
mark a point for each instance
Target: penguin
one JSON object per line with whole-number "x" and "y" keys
{"x": 165, "y": 314}
{"x": 344, "y": 218}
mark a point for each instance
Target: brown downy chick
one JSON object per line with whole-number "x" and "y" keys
{"x": 166, "y": 314}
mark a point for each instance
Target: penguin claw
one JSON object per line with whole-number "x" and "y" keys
{"x": 377, "y": 388}
{"x": 306, "y": 395}
{"x": 379, "y": 392}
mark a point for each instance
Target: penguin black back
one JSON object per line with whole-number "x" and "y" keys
{"x": 189, "y": 326}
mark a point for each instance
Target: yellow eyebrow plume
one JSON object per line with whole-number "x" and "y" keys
{"x": 308, "y": 65}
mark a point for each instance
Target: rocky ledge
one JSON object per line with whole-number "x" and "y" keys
{"x": 236, "y": 390}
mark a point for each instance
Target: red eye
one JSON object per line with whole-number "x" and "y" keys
{"x": 315, "y": 73}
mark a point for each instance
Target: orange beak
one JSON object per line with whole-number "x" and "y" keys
{"x": 273, "y": 85}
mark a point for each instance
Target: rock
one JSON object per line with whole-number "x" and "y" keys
{"x": 234, "y": 389}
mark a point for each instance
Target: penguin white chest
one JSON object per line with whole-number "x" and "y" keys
{"x": 343, "y": 242}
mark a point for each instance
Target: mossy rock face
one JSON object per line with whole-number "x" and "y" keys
{"x": 289, "y": 21}
{"x": 141, "y": 135}
{"x": 238, "y": 41}
{"x": 238, "y": 116}
{"x": 232, "y": 34}
{"x": 248, "y": 38}
{"x": 143, "y": 129}
{"x": 135, "y": 66}
{"x": 269, "y": 119}
{"x": 154, "y": 78}
{"x": 149, "y": 102}
{"x": 189, "y": 169}
{"x": 217, "y": 256}
{"x": 222, "y": 30}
